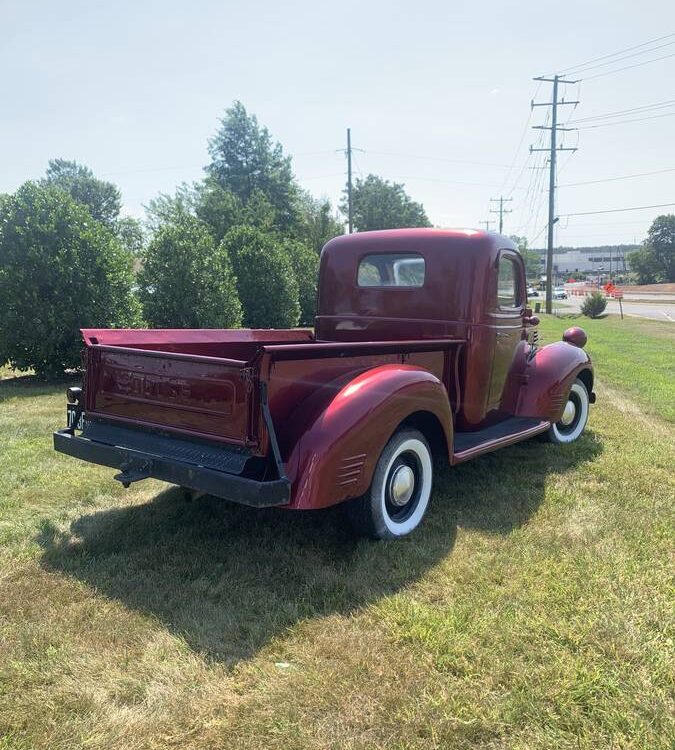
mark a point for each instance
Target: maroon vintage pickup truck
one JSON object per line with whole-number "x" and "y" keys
{"x": 423, "y": 347}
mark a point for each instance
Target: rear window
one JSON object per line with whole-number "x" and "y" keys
{"x": 392, "y": 269}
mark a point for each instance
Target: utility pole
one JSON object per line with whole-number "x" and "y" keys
{"x": 349, "y": 179}
{"x": 501, "y": 211}
{"x": 486, "y": 224}
{"x": 553, "y": 150}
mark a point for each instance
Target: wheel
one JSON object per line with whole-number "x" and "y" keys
{"x": 399, "y": 494}
{"x": 574, "y": 417}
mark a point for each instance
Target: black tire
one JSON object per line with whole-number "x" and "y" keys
{"x": 573, "y": 422}
{"x": 398, "y": 497}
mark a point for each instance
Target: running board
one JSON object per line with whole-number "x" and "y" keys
{"x": 513, "y": 430}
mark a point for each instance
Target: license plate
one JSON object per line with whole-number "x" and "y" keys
{"x": 75, "y": 422}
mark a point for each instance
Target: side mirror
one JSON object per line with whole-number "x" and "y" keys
{"x": 532, "y": 320}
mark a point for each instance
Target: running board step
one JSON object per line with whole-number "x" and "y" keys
{"x": 510, "y": 431}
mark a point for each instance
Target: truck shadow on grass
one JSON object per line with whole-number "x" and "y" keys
{"x": 227, "y": 578}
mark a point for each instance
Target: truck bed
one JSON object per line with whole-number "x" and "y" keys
{"x": 205, "y": 384}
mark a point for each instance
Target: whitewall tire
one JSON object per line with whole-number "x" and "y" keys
{"x": 398, "y": 497}
{"x": 575, "y": 415}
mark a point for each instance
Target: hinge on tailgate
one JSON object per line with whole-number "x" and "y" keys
{"x": 267, "y": 416}
{"x": 247, "y": 374}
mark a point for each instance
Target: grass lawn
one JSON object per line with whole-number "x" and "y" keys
{"x": 533, "y": 609}
{"x": 636, "y": 356}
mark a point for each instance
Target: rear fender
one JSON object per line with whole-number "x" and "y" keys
{"x": 548, "y": 377}
{"x": 341, "y": 438}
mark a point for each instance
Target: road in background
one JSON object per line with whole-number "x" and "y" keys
{"x": 655, "y": 310}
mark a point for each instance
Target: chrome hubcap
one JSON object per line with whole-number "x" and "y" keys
{"x": 402, "y": 485}
{"x": 569, "y": 414}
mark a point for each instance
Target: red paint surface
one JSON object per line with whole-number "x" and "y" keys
{"x": 382, "y": 355}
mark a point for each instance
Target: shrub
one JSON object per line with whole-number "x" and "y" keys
{"x": 60, "y": 270}
{"x": 594, "y": 305}
{"x": 187, "y": 281}
{"x": 305, "y": 264}
{"x": 266, "y": 281}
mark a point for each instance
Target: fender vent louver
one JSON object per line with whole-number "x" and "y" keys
{"x": 350, "y": 469}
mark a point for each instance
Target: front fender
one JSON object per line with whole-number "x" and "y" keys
{"x": 342, "y": 437}
{"x": 548, "y": 377}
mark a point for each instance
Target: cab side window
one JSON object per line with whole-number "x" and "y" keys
{"x": 507, "y": 283}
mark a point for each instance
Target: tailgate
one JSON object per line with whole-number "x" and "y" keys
{"x": 203, "y": 396}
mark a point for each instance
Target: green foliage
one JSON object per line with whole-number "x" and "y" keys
{"x": 130, "y": 233}
{"x": 318, "y": 223}
{"x": 218, "y": 207}
{"x": 266, "y": 281}
{"x": 661, "y": 240}
{"x": 655, "y": 261}
{"x": 305, "y": 264}
{"x": 169, "y": 209}
{"x": 248, "y": 163}
{"x": 103, "y": 199}
{"x": 530, "y": 258}
{"x": 380, "y": 204}
{"x": 59, "y": 271}
{"x": 594, "y": 305}
{"x": 187, "y": 280}
{"x": 643, "y": 265}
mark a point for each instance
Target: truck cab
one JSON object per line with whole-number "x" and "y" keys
{"x": 423, "y": 344}
{"x": 427, "y": 284}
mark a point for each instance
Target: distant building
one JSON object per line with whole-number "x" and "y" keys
{"x": 594, "y": 260}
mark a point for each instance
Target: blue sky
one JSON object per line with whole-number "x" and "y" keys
{"x": 437, "y": 95}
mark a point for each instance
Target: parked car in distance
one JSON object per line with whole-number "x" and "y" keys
{"x": 559, "y": 293}
{"x": 532, "y": 292}
{"x": 422, "y": 349}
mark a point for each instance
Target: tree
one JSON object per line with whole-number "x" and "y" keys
{"x": 318, "y": 223}
{"x": 103, "y": 199}
{"x": 594, "y": 305}
{"x": 218, "y": 207}
{"x": 643, "y": 264}
{"x": 530, "y": 258}
{"x": 655, "y": 260}
{"x": 247, "y": 162}
{"x": 129, "y": 232}
{"x": 380, "y": 204}
{"x": 305, "y": 264}
{"x": 59, "y": 271}
{"x": 187, "y": 280}
{"x": 169, "y": 209}
{"x": 267, "y": 285}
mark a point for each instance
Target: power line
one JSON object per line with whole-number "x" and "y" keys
{"x": 620, "y": 52}
{"x": 618, "y": 210}
{"x": 520, "y": 143}
{"x": 602, "y": 234}
{"x": 614, "y": 179}
{"x": 626, "y": 122}
{"x": 437, "y": 158}
{"x": 632, "y": 110}
{"x": 543, "y": 229}
{"x": 628, "y": 67}
{"x": 621, "y": 59}
{"x": 447, "y": 182}
{"x": 606, "y": 223}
